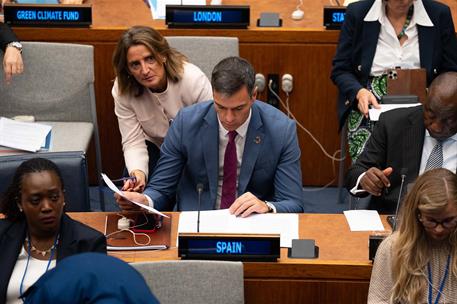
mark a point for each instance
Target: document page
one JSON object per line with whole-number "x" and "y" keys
{"x": 221, "y": 221}
{"x": 27, "y": 136}
{"x": 375, "y": 113}
{"x": 364, "y": 220}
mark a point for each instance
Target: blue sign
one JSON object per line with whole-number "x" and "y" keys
{"x": 48, "y": 15}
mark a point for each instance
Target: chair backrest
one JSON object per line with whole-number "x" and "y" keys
{"x": 56, "y": 85}
{"x": 205, "y": 52}
{"x": 72, "y": 165}
{"x": 194, "y": 281}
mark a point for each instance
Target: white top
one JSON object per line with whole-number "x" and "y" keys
{"x": 35, "y": 270}
{"x": 148, "y": 116}
{"x": 389, "y": 53}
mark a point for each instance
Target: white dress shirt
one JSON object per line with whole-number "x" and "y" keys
{"x": 240, "y": 140}
{"x": 389, "y": 53}
{"x": 35, "y": 270}
{"x": 449, "y": 152}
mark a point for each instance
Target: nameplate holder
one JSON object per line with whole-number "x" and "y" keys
{"x": 207, "y": 16}
{"x": 48, "y": 15}
{"x": 232, "y": 247}
{"x": 334, "y": 17}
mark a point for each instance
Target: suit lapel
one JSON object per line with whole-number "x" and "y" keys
{"x": 252, "y": 146}
{"x": 370, "y": 41}
{"x": 412, "y": 147}
{"x": 210, "y": 145}
{"x": 426, "y": 38}
{"x": 67, "y": 241}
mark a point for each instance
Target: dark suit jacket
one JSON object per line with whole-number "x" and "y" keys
{"x": 357, "y": 46}
{"x": 397, "y": 141}
{"x": 74, "y": 238}
{"x": 6, "y": 36}
{"x": 190, "y": 155}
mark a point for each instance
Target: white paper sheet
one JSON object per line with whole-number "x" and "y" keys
{"x": 158, "y": 6}
{"x": 113, "y": 187}
{"x": 364, "y": 220}
{"x": 27, "y": 136}
{"x": 374, "y": 113}
{"x": 221, "y": 221}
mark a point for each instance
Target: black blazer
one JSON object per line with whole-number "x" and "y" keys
{"x": 6, "y": 36}
{"x": 357, "y": 46}
{"x": 75, "y": 237}
{"x": 397, "y": 141}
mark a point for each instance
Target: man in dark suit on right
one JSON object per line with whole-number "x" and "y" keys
{"x": 408, "y": 142}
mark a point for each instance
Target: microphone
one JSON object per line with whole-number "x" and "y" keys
{"x": 199, "y": 191}
{"x": 260, "y": 82}
{"x": 403, "y": 172}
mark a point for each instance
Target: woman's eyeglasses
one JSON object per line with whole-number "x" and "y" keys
{"x": 446, "y": 223}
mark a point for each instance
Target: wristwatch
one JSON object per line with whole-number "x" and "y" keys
{"x": 15, "y": 44}
{"x": 269, "y": 205}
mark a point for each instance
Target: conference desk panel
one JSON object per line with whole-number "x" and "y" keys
{"x": 340, "y": 274}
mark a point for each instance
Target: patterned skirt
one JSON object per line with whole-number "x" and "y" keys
{"x": 359, "y": 127}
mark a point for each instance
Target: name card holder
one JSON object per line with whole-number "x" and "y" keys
{"x": 233, "y": 247}
{"x": 48, "y": 15}
{"x": 334, "y": 17}
{"x": 207, "y": 16}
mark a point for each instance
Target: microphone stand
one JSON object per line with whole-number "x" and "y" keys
{"x": 199, "y": 191}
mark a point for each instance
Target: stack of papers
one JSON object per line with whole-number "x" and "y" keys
{"x": 27, "y": 136}
{"x": 221, "y": 221}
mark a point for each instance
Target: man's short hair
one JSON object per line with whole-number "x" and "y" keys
{"x": 231, "y": 74}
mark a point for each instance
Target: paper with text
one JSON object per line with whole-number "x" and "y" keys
{"x": 27, "y": 136}
{"x": 364, "y": 220}
{"x": 113, "y": 187}
{"x": 221, "y": 221}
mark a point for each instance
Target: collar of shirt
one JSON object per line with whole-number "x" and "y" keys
{"x": 242, "y": 130}
{"x": 377, "y": 12}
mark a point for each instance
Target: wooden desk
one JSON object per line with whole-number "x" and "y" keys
{"x": 341, "y": 274}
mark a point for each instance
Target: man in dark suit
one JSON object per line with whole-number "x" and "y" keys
{"x": 402, "y": 143}
{"x": 265, "y": 174}
{"x": 12, "y": 49}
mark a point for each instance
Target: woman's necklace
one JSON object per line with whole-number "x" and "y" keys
{"x": 407, "y": 22}
{"x": 42, "y": 252}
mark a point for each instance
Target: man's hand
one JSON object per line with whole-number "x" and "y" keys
{"x": 246, "y": 204}
{"x": 364, "y": 99}
{"x": 12, "y": 63}
{"x": 375, "y": 180}
{"x": 136, "y": 185}
{"x": 129, "y": 206}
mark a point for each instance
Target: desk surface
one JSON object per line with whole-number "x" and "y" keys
{"x": 341, "y": 250}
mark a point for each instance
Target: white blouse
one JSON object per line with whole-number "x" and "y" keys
{"x": 35, "y": 270}
{"x": 389, "y": 53}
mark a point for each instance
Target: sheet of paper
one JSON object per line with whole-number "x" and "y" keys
{"x": 364, "y": 220}
{"x": 113, "y": 187}
{"x": 221, "y": 221}
{"x": 374, "y": 113}
{"x": 158, "y": 6}
{"x": 27, "y": 136}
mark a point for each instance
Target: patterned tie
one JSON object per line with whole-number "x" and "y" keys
{"x": 230, "y": 166}
{"x": 435, "y": 159}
